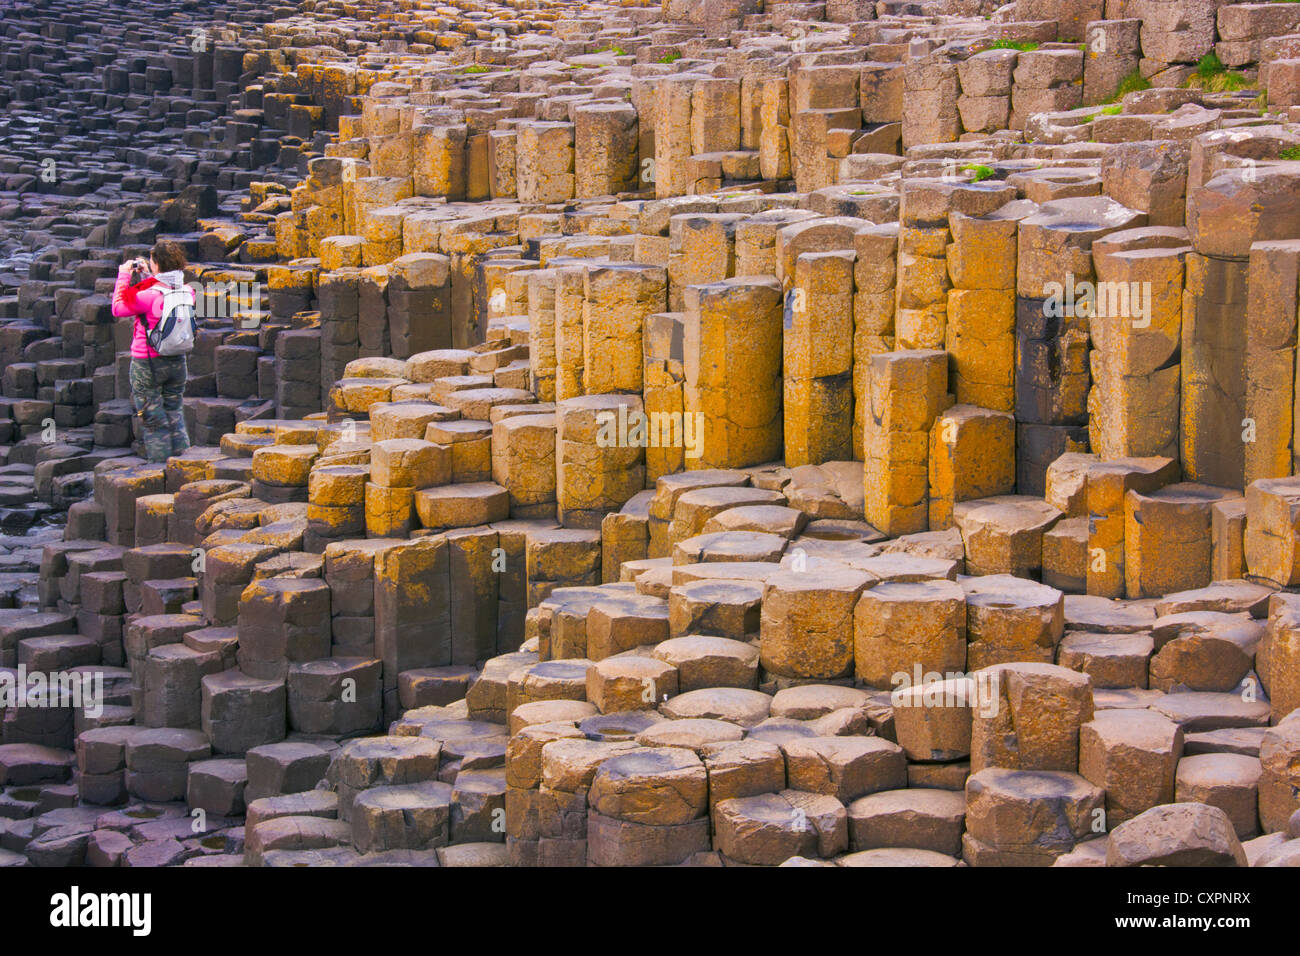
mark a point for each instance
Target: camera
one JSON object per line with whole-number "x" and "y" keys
{"x": 138, "y": 271}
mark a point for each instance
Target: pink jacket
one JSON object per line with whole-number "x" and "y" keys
{"x": 144, "y": 300}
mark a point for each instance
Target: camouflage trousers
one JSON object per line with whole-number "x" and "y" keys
{"x": 157, "y": 389}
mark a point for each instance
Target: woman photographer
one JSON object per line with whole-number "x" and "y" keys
{"x": 157, "y": 381}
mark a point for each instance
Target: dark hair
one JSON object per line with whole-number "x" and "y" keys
{"x": 167, "y": 255}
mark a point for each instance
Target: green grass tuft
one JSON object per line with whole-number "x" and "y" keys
{"x": 1024, "y": 46}
{"x": 1209, "y": 65}
{"x": 1132, "y": 83}
{"x": 670, "y": 57}
{"x": 1112, "y": 110}
{"x": 1291, "y": 152}
{"x": 1213, "y": 77}
{"x": 980, "y": 172}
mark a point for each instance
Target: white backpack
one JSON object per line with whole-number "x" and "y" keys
{"x": 176, "y": 329}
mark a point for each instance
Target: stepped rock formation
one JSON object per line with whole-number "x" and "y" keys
{"x": 706, "y": 432}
